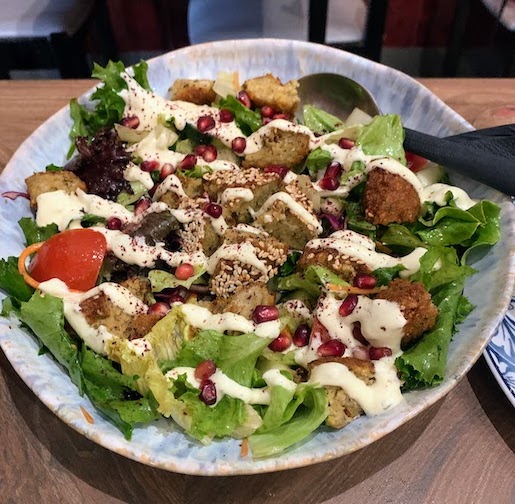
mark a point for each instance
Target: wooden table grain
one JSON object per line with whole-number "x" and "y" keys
{"x": 461, "y": 450}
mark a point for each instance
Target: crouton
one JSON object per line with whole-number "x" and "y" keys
{"x": 190, "y": 185}
{"x": 269, "y": 90}
{"x": 342, "y": 409}
{"x": 230, "y": 274}
{"x": 280, "y": 147}
{"x": 416, "y": 306}
{"x": 244, "y": 299}
{"x": 99, "y": 310}
{"x": 344, "y": 266}
{"x": 200, "y": 235}
{"x": 198, "y": 91}
{"x": 139, "y": 287}
{"x": 289, "y": 216}
{"x": 262, "y": 185}
{"x": 43, "y": 182}
{"x": 389, "y": 198}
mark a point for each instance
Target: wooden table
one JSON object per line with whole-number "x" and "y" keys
{"x": 458, "y": 451}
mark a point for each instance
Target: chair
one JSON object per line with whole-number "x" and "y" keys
{"x": 37, "y": 34}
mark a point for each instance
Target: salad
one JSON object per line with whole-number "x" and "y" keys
{"x": 215, "y": 260}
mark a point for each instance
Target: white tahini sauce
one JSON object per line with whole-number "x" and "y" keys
{"x": 242, "y": 252}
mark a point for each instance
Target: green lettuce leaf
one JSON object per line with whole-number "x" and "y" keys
{"x": 385, "y": 275}
{"x": 247, "y": 120}
{"x": 319, "y": 121}
{"x": 384, "y": 136}
{"x": 44, "y": 315}
{"x": 12, "y": 282}
{"x": 317, "y": 160}
{"x": 423, "y": 364}
{"x": 307, "y": 418}
{"x": 160, "y": 280}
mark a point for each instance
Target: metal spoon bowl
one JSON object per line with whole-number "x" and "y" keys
{"x": 486, "y": 155}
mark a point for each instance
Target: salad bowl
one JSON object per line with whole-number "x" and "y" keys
{"x": 162, "y": 444}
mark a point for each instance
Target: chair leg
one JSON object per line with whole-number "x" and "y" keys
{"x": 70, "y": 57}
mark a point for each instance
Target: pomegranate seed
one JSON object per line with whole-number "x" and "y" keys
{"x": 207, "y": 392}
{"x": 282, "y": 342}
{"x": 175, "y": 298}
{"x": 213, "y": 210}
{"x": 360, "y": 353}
{"x": 376, "y": 353}
{"x": 266, "y": 120}
{"x": 329, "y": 183}
{"x": 226, "y": 116}
{"x": 244, "y": 99}
{"x": 188, "y": 162}
{"x": 114, "y": 223}
{"x": 238, "y": 145}
{"x": 130, "y": 122}
{"x": 208, "y": 152}
{"x": 267, "y": 111}
{"x": 204, "y": 370}
{"x": 356, "y": 332}
{"x": 166, "y": 169}
{"x": 331, "y": 348}
{"x": 205, "y": 123}
{"x": 346, "y": 143}
{"x": 334, "y": 170}
{"x": 159, "y": 308}
{"x": 141, "y": 205}
{"x": 149, "y": 166}
{"x": 265, "y": 313}
{"x": 301, "y": 335}
{"x": 279, "y": 169}
{"x": 348, "y": 305}
{"x": 185, "y": 271}
{"x": 364, "y": 281}
{"x": 280, "y": 116}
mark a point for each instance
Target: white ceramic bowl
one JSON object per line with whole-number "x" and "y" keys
{"x": 162, "y": 444}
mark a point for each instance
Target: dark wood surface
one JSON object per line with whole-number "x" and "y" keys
{"x": 461, "y": 450}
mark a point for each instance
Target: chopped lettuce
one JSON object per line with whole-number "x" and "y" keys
{"x": 319, "y": 121}
{"x": 384, "y": 136}
{"x": 160, "y": 280}
{"x": 247, "y": 120}
{"x": 12, "y": 282}
{"x": 109, "y": 105}
{"x": 307, "y": 417}
{"x": 317, "y": 160}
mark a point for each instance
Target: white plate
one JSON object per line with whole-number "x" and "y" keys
{"x": 162, "y": 444}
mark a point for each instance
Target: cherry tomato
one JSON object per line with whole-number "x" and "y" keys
{"x": 74, "y": 256}
{"x": 415, "y": 163}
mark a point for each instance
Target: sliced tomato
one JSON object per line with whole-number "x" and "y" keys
{"x": 74, "y": 256}
{"x": 415, "y": 163}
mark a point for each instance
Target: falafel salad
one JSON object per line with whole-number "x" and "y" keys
{"x": 238, "y": 266}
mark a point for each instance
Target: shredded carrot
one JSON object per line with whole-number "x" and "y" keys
{"x": 350, "y": 289}
{"x": 22, "y": 263}
{"x": 87, "y": 416}
{"x": 244, "y": 448}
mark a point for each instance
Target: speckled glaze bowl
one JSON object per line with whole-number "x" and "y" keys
{"x": 164, "y": 445}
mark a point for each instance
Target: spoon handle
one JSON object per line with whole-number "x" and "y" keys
{"x": 470, "y": 159}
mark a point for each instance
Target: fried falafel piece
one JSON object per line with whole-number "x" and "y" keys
{"x": 342, "y": 408}
{"x": 198, "y": 91}
{"x": 139, "y": 287}
{"x": 244, "y": 299}
{"x": 287, "y": 148}
{"x": 42, "y": 182}
{"x": 99, "y": 310}
{"x": 290, "y": 215}
{"x": 416, "y": 306}
{"x": 388, "y": 199}
{"x": 200, "y": 235}
{"x": 269, "y": 90}
{"x": 220, "y": 183}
